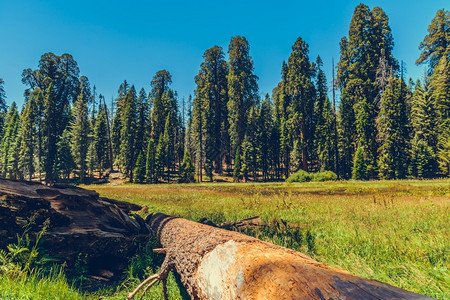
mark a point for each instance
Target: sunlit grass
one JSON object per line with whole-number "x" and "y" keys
{"x": 30, "y": 286}
{"x": 392, "y": 231}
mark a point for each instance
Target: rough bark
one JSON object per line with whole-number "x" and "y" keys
{"x": 214, "y": 263}
{"x": 80, "y": 222}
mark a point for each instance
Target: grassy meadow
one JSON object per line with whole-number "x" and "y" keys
{"x": 397, "y": 232}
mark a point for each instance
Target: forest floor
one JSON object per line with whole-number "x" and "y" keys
{"x": 393, "y": 231}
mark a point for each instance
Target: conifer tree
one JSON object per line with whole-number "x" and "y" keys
{"x": 247, "y": 158}
{"x": 251, "y": 146}
{"x": 211, "y": 97}
{"x": 9, "y": 143}
{"x": 151, "y": 164}
{"x": 394, "y": 131}
{"x": 346, "y": 114}
{"x": 165, "y": 108}
{"x": 50, "y": 118}
{"x": 80, "y": 136}
{"x": 437, "y": 41}
{"x": 324, "y": 130}
{"x": 196, "y": 131}
{"x": 285, "y": 147}
{"x": 28, "y": 142}
{"x": 3, "y": 106}
{"x": 62, "y": 73}
{"x": 423, "y": 123}
{"x": 369, "y": 40}
{"x": 280, "y": 95}
{"x": 180, "y": 137}
{"x": 274, "y": 151}
{"x": 365, "y": 131}
{"x": 143, "y": 121}
{"x": 40, "y": 122}
{"x": 91, "y": 155}
{"x": 237, "y": 166}
{"x": 423, "y": 159}
{"x": 423, "y": 115}
{"x": 162, "y": 103}
{"x": 444, "y": 151}
{"x": 267, "y": 145}
{"x": 14, "y": 171}
{"x": 187, "y": 171}
{"x": 189, "y": 142}
{"x": 65, "y": 160}
{"x": 139, "y": 170}
{"x": 127, "y": 156}
{"x": 100, "y": 140}
{"x": 300, "y": 110}
{"x": 326, "y": 149}
{"x": 169, "y": 144}
{"x": 160, "y": 157}
{"x": 281, "y": 154}
{"x": 440, "y": 86}
{"x": 359, "y": 170}
{"x": 242, "y": 89}
{"x": 116, "y": 127}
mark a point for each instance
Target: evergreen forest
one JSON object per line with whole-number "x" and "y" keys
{"x": 373, "y": 123}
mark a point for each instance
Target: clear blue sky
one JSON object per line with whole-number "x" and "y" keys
{"x": 117, "y": 40}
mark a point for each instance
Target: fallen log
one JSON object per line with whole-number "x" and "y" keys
{"x": 214, "y": 263}
{"x": 80, "y": 222}
{"x": 249, "y": 222}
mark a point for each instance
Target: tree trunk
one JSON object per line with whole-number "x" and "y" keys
{"x": 81, "y": 222}
{"x": 304, "y": 163}
{"x": 218, "y": 264}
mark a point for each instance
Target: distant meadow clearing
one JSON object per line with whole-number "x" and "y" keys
{"x": 393, "y": 231}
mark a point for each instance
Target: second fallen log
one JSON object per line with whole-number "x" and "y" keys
{"x": 214, "y": 263}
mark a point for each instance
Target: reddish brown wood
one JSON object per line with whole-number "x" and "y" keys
{"x": 218, "y": 264}
{"x": 80, "y": 222}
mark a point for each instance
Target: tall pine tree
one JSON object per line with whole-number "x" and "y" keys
{"x": 324, "y": 131}
{"x": 242, "y": 89}
{"x": 211, "y": 102}
{"x": 437, "y": 41}
{"x": 424, "y": 142}
{"x": 9, "y": 163}
{"x": 300, "y": 122}
{"x": 394, "y": 131}
{"x": 50, "y": 134}
{"x": 100, "y": 140}
{"x": 80, "y": 128}
{"x": 128, "y": 154}
{"x": 28, "y": 143}
{"x": 369, "y": 40}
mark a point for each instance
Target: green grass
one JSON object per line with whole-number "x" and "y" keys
{"x": 32, "y": 286}
{"x": 393, "y": 231}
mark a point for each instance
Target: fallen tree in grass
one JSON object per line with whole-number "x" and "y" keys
{"x": 80, "y": 222}
{"x": 214, "y": 263}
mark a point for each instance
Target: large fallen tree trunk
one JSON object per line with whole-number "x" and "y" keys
{"x": 81, "y": 222}
{"x": 218, "y": 264}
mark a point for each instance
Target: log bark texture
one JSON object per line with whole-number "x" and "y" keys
{"x": 218, "y": 264}
{"x": 80, "y": 222}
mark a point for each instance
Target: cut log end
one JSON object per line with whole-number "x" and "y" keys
{"x": 214, "y": 263}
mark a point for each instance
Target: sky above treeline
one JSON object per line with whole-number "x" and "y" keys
{"x": 117, "y": 40}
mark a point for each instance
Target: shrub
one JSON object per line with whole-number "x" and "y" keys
{"x": 299, "y": 176}
{"x": 324, "y": 176}
{"x": 303, "y": 176}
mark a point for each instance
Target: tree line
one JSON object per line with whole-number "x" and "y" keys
{"x": 383, "y": 127}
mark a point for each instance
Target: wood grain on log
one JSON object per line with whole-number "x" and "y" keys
{"x": 80, "y": 222}
{"x": 218, "y": 264}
